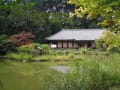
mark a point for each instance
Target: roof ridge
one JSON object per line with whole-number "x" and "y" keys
{"x": 81, "y": 29}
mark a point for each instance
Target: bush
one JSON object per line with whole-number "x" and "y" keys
{"x": 34, "y": 49}
{"x": 26, "y": 48}
{"x": 20, "y": 56}
{"x": 83, "y": 50}
{"x": 5, "y": 45}
{"x": 22, "y": 38}
{"x": 115, "y": 49}
{"x": 46, "y": 48}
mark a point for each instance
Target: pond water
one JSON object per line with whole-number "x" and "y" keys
{"x": 62, "y": 69}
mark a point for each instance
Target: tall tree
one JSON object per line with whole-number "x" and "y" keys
{"x": 107, "y": 11}
{"x": 13, "y": 18}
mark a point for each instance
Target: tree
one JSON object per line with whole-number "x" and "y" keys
{"x": 107, "y": 11}
{"x": 13, "y": 19}
{"x": 22, "y": 38}
{"x": 5, "y": 45}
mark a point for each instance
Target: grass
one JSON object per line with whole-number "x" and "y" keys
{"x": 50, "y": 55}
{"x": 26, "y": 52}
{"x": 94, "y": 73}
{"x": 20, "y": 56}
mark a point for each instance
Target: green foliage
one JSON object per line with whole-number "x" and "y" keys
{"x": 83, "y": 50}
{"x": 47, "y": 54}
{"x": 113, "y": 42}
{"x": 26, "y": 48}
{"x": 5, "y": 45}
{"x": 16, "y": 15}
{"x": 46, "y": 48}
{"x": 99, "y": 44}
{"x": 20, "y": 56}
{"x": 25, "y": 52}
{"x": 108, "y": 12}
{"x": 91, "y": 74}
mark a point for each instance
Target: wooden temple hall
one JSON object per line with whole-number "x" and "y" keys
{"x": 75, "y": 38}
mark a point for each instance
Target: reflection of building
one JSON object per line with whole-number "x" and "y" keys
{"x": 75, "y": 38}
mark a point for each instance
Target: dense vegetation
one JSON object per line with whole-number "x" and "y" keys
{"x": 108, "y": 12}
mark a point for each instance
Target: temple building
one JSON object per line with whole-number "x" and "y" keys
{"x": 75, "y": 38}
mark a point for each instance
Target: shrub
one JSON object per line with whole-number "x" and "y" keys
{"x": 5, "y": 45}
{"x": 26, "y": 48}
{"x": 83, "y": 50}
{"x": 34, "y": 49}
{"x": 22, "y": 38}
{"x": 88, "y": 75}
{"x": 20, "y": 56}
{"x": 46, "y": 48}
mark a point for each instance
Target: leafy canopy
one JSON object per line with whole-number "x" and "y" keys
{"x": 107, "y": 11}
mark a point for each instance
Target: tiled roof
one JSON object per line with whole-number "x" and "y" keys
{"x": 77, "y": 34}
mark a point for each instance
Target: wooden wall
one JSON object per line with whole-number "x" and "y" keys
{"x": 75, "y": 44}
{"x": 59, "y": 44}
